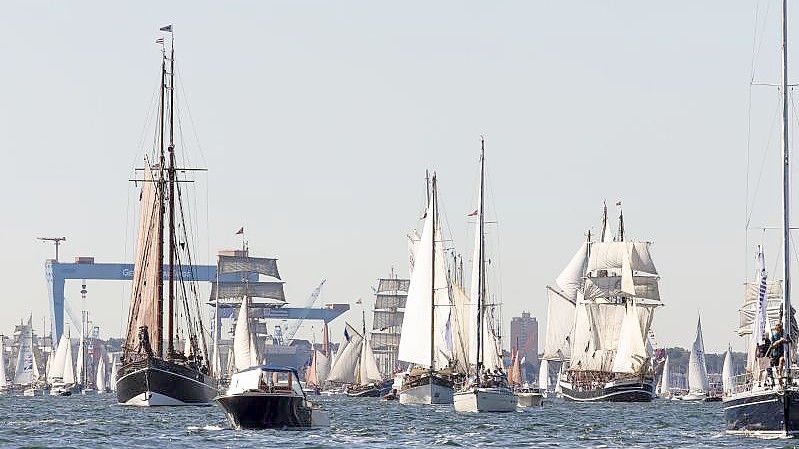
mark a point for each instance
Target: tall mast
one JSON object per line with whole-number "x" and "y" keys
{"x": 480, "y": 261}
{"x": 786, "y": 200}
{"x": 172, "y": 246}
{"x": 159, "y": 349}
{"x": 434, "y": 212}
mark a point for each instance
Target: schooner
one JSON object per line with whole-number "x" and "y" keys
{"x": 153, "y": 371}
{"x": 612, "y": 285}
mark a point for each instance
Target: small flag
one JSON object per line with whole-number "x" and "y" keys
{"x": 346, "y": 334}
{"x": 473, "y": 213}
{"x": 167, "y": 28}
{"x": 359, "y": 301}
{"x": 618, "y": 203}
{"x": 240, "y": 231}
{"x": 160, "y": 40}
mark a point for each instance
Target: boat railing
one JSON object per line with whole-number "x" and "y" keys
{"x": 748, "y": 382}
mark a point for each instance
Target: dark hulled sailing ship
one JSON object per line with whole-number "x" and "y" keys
{"x": 152, "y": 371}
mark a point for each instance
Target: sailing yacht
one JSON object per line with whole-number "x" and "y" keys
{"x": 727, "y": 376}
{"x": 62, "y": 376}
{"x": 152, "y": 371}
{"x": 486, "y": 389}
{"x": 427, "y": 313}
{"x": 753, "y": 407}
{"x": 369, "y": 381}
{"x": 698, "y": 383}
{"x": 26, "y": 371}
{"x": 615, "y": 286}
{"x": 316, "y": 373}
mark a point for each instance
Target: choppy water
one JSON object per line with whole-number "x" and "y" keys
{"x": 98, "y": 422}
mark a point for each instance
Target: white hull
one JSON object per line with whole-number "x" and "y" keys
{"x": 485, "y": 400}
{"x": 694, "y": 396}
{"x": 530, "y": 399}
{"x": 427, "y": 394}
{"x": 150, "y": 399}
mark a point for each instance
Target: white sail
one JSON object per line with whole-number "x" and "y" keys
{"x": 114, "y": 364}
{"x": 69, "y": 370}
{"x": 423, "y": 296}
{"x": 344, "y": 370}
{"x": 631, "y": 353}
{"x": 697, "y": 370}
{"x": 79, "y": 368}
{"x": 100, "y": 382}
{"x": 543, "y": 374}
{"x": 461, "y": 328}
{"x": 368, "y": 370}
{"x": 56, "y": 370}
{"x": 571, "y": 278}
{"x": 607, "y": 230}
{"x": 665, "y": 377}
{"x": 26, "y": 371}
{"x": 726, "y": 373}
{"x": 560, "y": 326}
{"x": 610, "y": 256}
{"x": 492, "y": 352}
{"x": 3, "y": 377}
{"x": 243, "y": 347}
{"x": 216, "y": 361}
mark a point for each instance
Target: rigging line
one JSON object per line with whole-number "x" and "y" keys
{"x": 179, "y": 78}
{"x": 763, "y": 162}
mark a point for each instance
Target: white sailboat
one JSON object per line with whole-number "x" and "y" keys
{"x": 245, "y": 352}
{"x": 727, "y": 374}
{"x": 26, "y": 371}
{"x": 487, "y": 388}
{"x": 423, "y": 340}
{"x": 543, "y": 376}
{"x": 698, "y": 383}
{"x": 100, "y": 380}
{"x": 368, "y": 378}
{"x": 665, "y": 380}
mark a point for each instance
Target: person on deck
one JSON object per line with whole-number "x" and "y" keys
{"x": 763, "y": 361}
{"x": 777, "y": 349}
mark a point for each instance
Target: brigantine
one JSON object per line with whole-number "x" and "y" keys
{"x": 615, "y": 290}
{"x": 423, "y": 341}
{"x": 152, "y": 371}
{"x": 486, "y": 388}
{"x": 698, "y": 382}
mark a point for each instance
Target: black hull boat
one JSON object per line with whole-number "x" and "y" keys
{"x": 269, "y": 398}
{"x": 622, "y": 390}
{"x": 765, "y": 413}
{"x": 369, "y": 391}
{"x": 153, "y": 382}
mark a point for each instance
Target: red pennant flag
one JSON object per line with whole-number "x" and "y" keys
{"x": 473, "y": 213}
{"x": 240, "y": 231}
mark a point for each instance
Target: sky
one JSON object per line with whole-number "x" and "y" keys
{"x": 317, "y": 121}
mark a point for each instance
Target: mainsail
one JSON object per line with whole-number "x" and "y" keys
{"x": 349, "y": 354}
{"x": 26, "y": 371}
{"x": 726, "y": 372}
{"x": 697, "y": 370}
{"x": 665, "y": 377}
{"x": 100, "y": 381}
{"x": 244, "y": 350}
{"x": 543, "y": 374}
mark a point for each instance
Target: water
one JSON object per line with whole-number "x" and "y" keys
{"x": 98, "y": 422}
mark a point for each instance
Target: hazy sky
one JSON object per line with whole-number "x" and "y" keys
{"x": 318, "y": 119}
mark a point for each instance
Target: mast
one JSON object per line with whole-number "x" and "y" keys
{"x": 434, "y": 218}
{"x": 786, "y": 201}
{"x": 172, "y": 246}
{"x": 159, "y": 349}
{"x": 481, "y": 264}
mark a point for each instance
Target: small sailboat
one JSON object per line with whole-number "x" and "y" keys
{"x": 486, "y": 389}
{"x": 100, "y": 381}
{"x": 727, "y": 375}
{"x": 62, "y": 371}
{"x": 261, "y": 397}
{"x": 4, "y": 384}
{"x": 527, "y": 395}
{"x": 698, "y": 383}
{"x": 543, "y": 377}
{"x": 664, "y": 388}
{"x": 427, "y": 315}
{"x": 26, "y": 371}
{"x": 369, "y": 381}
{"x": 317, "y": 372}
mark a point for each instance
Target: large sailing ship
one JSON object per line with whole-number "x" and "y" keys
{"x": 615, "y": 286}
{"x": 389, "y": 310}
{"x": 153, "y": 371}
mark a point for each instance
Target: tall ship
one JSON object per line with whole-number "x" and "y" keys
{"x": 616, "y": 294}
{"x": 153, "y": 371}
{"x": 389, "y": 310}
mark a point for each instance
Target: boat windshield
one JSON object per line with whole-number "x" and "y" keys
{"x": 280, "y": 381}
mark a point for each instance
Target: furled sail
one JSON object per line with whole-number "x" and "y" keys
{"x": 560, "y": 326}
{"x": 697, "y": 370}
{"x": 244, "y": 264}
{"x": 268, "y": 290}
{"x": 146, "y": 271}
